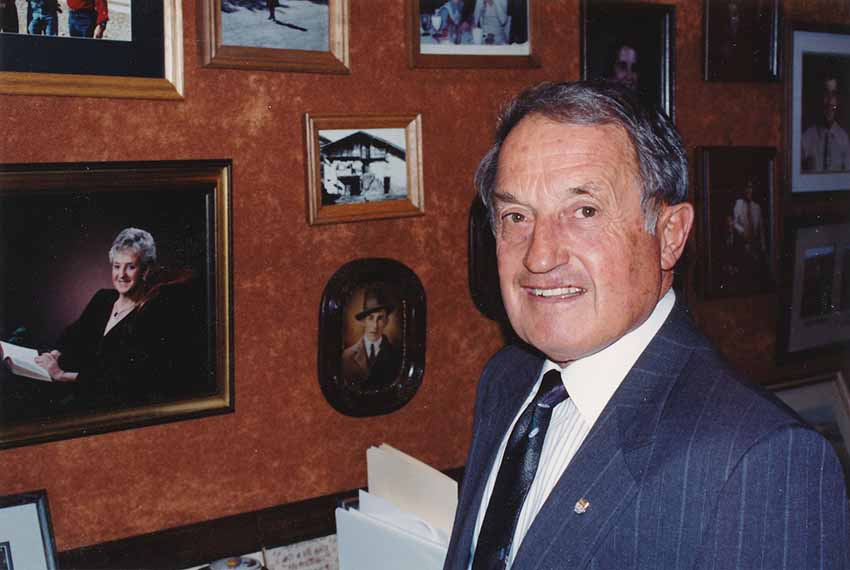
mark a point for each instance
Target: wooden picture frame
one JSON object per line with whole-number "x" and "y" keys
{"x": 354, "y": 382}
{"x": 150, "y": 66}
{"x": 26, "y": 532}
{"x": 818, "y": 66}
{"x": 815, "y": 296}
{"x": 326, "y": 54}
{"x": 737, "y": 234}
{"x": 170, "y": 357}
{"x": 742, "y": 40}
{"x": 467, "y": 48}
{"x": 372, "y": 169}
{"x": 617, "y": 39}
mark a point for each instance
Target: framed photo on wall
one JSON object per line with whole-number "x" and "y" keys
{"x": 472, "y": 33}
{"x": 738, "y": 185}
{"x": 364, "y": 167}
{"x": 128, "y": 48}
{"x": 115, "y": 296}
{"x": 277, "y": 35}
{"x": 26, "y": 532}
{"x": 742, "y": 40}
{"x": 632, "y": 44}
{"x": 816, "y": 292}
{"x": 819, "y": 96}
{"x": 371, "y": 337}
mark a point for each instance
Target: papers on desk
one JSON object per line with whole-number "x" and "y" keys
{"x": 403, "y": 522}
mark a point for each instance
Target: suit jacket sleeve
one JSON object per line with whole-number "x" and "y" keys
{"x": 784, "y": 505}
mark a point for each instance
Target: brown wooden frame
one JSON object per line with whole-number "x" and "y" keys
{"x": 210, "y": 177}
{"x": 413, "y": 205}
{"x": 215, "y": 54}
{"x": 170, "y": 86}
{"x": 418, "y": 59}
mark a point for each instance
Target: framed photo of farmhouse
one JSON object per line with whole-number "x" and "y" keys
{"x": 115, "y": 291}
{"x": 363, "y": 167}
{"x": 277, "y": 35}
{"x": 121, "y": 48}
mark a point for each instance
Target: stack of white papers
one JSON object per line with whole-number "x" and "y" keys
{"x": 403, "y": 522}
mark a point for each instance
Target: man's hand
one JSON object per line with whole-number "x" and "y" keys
{"x": 99, "y": 30}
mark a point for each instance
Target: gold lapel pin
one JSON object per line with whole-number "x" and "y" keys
{"x": 581, "y": 506}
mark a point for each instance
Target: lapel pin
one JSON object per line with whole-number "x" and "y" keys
{"x": 581, "y": 506}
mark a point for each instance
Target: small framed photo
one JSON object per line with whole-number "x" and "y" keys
{"x": 26, "y": 532}
{"x": 472, "y": 33}
{"x": 276, "y": 35}
{"x": 742, "y": 40}
{"x": 824, "y": 402}
{"x": 129, "y": 48}
{"x": 632, "y": 44}
{"x": 115, "y": 297}
{"x": 371, "y": 337}
{"x": 816, "y": 293}
{"x": 819, "y": 95}
{"x": 738, "y": 185}
{"x": 364, "y": 167}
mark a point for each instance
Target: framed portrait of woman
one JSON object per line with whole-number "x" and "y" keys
{"x": 115, "y": 304}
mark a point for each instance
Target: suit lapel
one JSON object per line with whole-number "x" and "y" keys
{"x": 607, "y": 469}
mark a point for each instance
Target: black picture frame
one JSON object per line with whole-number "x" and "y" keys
{"x": 609, "y": 27}
{"x": 32, "y": 523}
{"x": 742, "y": 40}
{"x": 815, "y": 288}
{"x": 171, "y": 361}
{"x": 736, "y": 263}
{"x": 150, "y": 66}
{"x": 371, "y": 390}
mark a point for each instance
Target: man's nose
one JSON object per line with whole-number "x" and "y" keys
{"x": 547, "y": 248}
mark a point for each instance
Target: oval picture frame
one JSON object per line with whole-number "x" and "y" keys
{"x": 371, "y": 298}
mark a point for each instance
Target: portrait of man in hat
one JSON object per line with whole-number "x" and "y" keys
{"x": 372, "y": 361}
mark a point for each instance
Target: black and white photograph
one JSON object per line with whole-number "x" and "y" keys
{"x": 280, "y": 24}
{"x": 737, "y": 207}
{"x": 817, "y": 287}
{"x": 369, "y": 171}
{"x": 84, "y": 19}
{"x": 742, "y": 40}
{"x": 26, "y": 532}
{"x": 820, "y": 111}
{"x": 371, "y": 337}
{"x": 114, "y": 312}
{"x": 632, "y": 44}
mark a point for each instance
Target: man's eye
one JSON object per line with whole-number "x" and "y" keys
{"x": 586, "y": 212}
{"x": 513, "y": 217}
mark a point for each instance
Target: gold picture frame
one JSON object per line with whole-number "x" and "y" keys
{"x": 215, "y": 53}
{"x": 168, "y": 86}
{"x": 80, "y": 207}
{"x": 354, "y": 167}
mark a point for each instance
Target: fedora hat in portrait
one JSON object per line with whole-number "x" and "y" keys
{"x": 374, "y": 299}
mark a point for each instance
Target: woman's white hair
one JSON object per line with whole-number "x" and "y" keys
{"x": 138, "y": 241}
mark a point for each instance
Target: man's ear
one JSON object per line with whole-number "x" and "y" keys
{"x": 673, "y": 227}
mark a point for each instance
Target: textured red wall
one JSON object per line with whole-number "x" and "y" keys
{"x": 285, "y": 442}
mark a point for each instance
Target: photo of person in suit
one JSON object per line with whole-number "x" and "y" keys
{"x": 372, "y": 361}
{"x": 615, "y": 435}
{"x": 825, "y": 144}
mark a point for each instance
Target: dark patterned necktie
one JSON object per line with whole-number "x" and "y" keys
{"x": 519, "y": 466}
{"x": 371, "y": 354}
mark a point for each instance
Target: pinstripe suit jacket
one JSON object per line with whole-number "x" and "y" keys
{"x": 687, "y": 467}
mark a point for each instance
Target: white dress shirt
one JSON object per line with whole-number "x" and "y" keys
{"x": 814, "y": 146}
{"x": 590, "y": 382}
{"x": 369, "y": 344}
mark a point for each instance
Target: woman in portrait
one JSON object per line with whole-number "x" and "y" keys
{"x": 130, "y": 341}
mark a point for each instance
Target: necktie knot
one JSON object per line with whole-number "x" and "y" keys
{"x": 552, "y": 390}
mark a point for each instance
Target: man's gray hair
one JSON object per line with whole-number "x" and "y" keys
{"x": 138, "y": 241}
{"x": 661, "y": 157}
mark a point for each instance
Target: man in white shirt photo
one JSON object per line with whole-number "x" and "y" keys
{"x": 825, "y": 146}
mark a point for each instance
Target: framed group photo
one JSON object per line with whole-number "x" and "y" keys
{"x": 372, "y": 325}
{"x": 472, "y": 33}
{"x": 737, "y": 205}
{"x": 276, "y": 35}
{"x": 632, "y": 44}
{"x": 742, "y": 40}
{"x": 819, "y": 109}
{"x": 26, "y": 532}
{"x": 115, "y": 296}
{"x": 126, "y": 48}
{"x": 363, "y": 167}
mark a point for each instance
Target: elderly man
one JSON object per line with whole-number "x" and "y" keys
{"x": 618, "y": 437}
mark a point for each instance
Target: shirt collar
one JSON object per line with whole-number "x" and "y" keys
{"x": 369, "y": 343}
{"x": 592, "y": 380}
